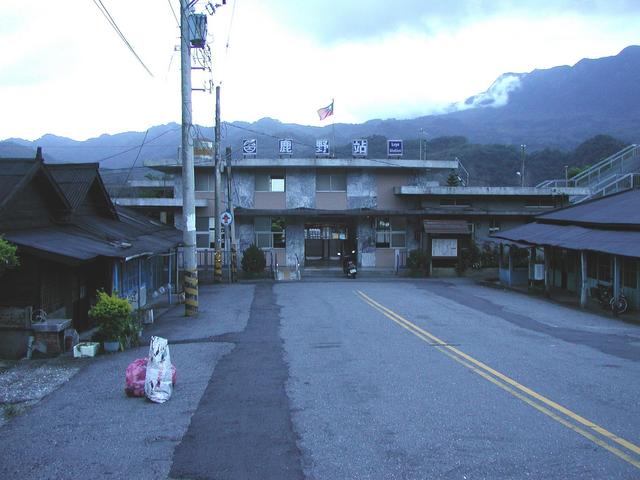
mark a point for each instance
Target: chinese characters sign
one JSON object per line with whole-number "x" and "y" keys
{"x": 322, "y": 148}
{"x": 285, "y": 146}
{"x": 360, "y": 147}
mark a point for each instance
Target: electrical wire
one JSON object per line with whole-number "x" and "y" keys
{"x": 138, "y": 146}
{"x": 174, "y": 13}
{"x": 135, "y": 161}
{"x": 113, "y": 24}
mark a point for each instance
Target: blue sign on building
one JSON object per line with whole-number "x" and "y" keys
{"x": 395, "y": 148}
{"x": 249, "y": 146}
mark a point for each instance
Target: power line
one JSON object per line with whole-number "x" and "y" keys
{"x": 174, "y": 13}
{"x": 113, "y": 24}
{"x": 136, "y": 159}
{"x": 138, "y": 146}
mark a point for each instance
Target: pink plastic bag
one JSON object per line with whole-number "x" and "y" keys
{"x": 135, "y": 375}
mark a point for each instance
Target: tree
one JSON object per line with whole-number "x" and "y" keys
{"x": 453, "y": 180}
{"x": 8, "y": 257}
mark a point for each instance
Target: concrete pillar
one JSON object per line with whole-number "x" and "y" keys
{"x": 510, "y": 265}
{"x": 583, "y": 279}
{"x": 616, "y": 276}
{"x": 532, "y": 264}
{"x": 547, "y": 270}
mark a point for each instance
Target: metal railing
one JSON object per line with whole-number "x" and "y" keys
{"x": 617, "y": 184}
{"x": 465, "y": 181}
{"x": 613, "y": 174}
{"x": 298, "y": 276}
{"x": 400, "y": 260}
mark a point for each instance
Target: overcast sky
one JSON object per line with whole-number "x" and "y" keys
{"x": 63, "y": 70}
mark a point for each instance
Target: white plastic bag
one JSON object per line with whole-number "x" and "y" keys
{"x": 158, "y": 384}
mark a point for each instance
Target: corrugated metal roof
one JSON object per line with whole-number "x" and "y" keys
{"x": 74, "y": 179}
{"x": 453, "y": 227}
{"x": 574, "y": 237}
{"x": 12, "y": 171}
{"x": 618, "y": 209}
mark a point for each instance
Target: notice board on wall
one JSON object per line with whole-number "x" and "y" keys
{"x": 444, "y": 247}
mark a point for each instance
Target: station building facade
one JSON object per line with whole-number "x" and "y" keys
{"x": 306, "y": 211}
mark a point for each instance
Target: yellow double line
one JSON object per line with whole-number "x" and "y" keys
{"x": 560, "y": 414}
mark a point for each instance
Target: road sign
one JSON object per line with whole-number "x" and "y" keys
{"x": 226, "y": 218}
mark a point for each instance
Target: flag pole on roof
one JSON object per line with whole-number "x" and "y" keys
{"x": 325, "y": 112}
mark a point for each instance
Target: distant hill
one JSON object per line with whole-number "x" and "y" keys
{"x": 548, "y": 110}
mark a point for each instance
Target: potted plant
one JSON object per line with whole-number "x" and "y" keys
{"x": 112, "y": 315}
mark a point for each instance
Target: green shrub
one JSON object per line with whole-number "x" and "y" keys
{"x": 8, "y": 257}
{"x": 253, "y": 260}
{"x": 417, "y": 262}
{"x": 113, "y": 315}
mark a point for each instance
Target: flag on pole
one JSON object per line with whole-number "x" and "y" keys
{"x": 324, "y": 112}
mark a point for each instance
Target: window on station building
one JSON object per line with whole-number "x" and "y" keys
{"x": 270, "y": 182}
{"x": 270, "y": 232}
{"x": 391, "y": 232}
{"x": 204, "y": 182}
{"x": 454, "y": 202}
{"x": 540, "y": 203}
{"x": 205, "y": 232}
{"x": 331, "y": 181}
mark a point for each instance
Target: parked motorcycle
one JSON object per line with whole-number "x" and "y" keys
{"x": 349, "y": 264}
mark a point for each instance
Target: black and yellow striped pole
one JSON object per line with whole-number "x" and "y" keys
{"x": 217, "y": 267}
{"x": 190, "y": 292}
{"x": 234, "y": 264}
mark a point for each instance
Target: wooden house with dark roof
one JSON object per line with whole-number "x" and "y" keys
{"x": 72, "y": 241}
{"x": 593, "y": 243}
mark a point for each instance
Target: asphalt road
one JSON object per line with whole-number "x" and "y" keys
{"x": 355, "y": 380}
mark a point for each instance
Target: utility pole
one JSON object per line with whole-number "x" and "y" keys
{"x": 218, "y": 193}
{"x": 188, "y": 187}
{"x": 233, "y": 263}
{"x": 522, "y": 155}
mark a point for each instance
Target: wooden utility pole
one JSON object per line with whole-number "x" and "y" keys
{"x": 218, "y": 193}
{"x": 188, "y": 186}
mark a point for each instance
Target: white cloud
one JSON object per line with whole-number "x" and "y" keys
{"x": 64, "y": 70}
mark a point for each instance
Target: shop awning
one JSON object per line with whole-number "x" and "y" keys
{"x": 452, "y": 227}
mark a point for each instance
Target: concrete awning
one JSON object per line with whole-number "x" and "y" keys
{"x": 453, "y": 227}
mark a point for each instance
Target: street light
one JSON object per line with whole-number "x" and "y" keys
{"x": 566, "y": 175}
{"x": 425, "y": 144}
{"x": 522, "y": 155}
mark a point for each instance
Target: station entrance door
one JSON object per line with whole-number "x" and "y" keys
{"x": 324, "y": 240}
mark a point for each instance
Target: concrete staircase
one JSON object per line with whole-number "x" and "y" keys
{"x": 620, "y": 171}
{"x": 284, "y": 274}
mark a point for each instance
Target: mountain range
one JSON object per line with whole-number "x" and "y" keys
{"x": 556, "y": 108}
